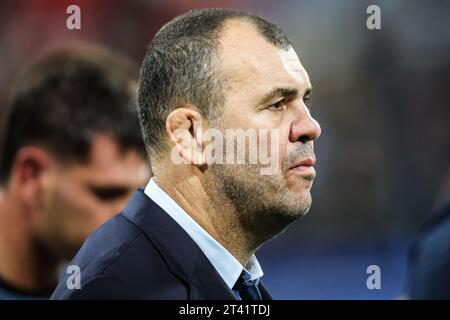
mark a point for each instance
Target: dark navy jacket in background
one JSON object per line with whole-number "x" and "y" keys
{"x": 429, "y": 260}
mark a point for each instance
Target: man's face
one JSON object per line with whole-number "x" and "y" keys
{"x": 81, "y": 197}
{"x": 267, "y": 88}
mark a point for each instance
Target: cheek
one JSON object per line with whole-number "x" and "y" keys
{"x": 56, "y": 221}
{"x": 75, "y": 198}
{"x": 278, "y": 141}
{"x": 72, "y": 208}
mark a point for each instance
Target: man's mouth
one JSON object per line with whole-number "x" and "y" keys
{"x": 304, "y": 167}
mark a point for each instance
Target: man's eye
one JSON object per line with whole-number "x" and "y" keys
{"x": 278, "y": 106}
{"x": 109, "y": 194}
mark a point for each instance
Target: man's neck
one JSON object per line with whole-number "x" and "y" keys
{"x": 21, "y": 264}
{"x": 221, "y": 223}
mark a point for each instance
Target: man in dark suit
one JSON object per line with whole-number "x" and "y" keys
{"x": 71, "y": 159}
{"x": 213, "y": 83}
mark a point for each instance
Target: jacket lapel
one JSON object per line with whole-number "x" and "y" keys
{"x": 265, "y": 295}
{"x": 206, "y": 283}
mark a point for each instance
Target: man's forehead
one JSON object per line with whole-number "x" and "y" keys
{"x": 247, "y": 55}
{"x": 292, "y": 64}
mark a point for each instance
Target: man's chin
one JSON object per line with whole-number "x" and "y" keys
{"x": 300, "y": 202}
{"x": 300, "y": 185}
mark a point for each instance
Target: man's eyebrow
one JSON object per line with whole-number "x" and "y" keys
{"x": 108, "y": 192}
{"x": 282, "y": 92}
{"x": 308, "y": 91}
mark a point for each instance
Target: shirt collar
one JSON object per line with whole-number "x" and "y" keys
{"x": 223, "y": 261}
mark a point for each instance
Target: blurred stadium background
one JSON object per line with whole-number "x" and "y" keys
{"x": 381, "y": 96}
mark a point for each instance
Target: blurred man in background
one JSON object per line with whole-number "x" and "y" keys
{"x": 72, "y": 155}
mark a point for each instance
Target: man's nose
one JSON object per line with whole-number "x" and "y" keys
{"x": 304, "y": 128}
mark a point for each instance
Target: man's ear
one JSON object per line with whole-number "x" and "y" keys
{"x": 184, "y": 128}
{"x": 28, "y": 170}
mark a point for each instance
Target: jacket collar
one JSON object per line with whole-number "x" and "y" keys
{"x": 182, "y": 255}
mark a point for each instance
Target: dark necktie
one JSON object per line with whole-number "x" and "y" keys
{"x": 247, "y": 288}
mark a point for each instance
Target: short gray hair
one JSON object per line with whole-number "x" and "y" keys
{"x": 181, "y": 66}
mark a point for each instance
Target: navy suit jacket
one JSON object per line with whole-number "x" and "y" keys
{"x": 429, "y": 258}
{"x": 142, "y": 253}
